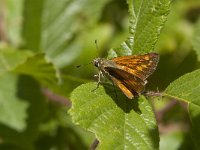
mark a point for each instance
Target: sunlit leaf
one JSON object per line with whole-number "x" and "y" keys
{"x": 147, "y": 19}
{"x": 117, "y": 121}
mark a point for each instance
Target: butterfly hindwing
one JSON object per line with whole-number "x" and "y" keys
{"x": 122, "y": 87}
{"x": 126, "y": 82}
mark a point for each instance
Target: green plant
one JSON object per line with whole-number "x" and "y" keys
{"x": 117, "y": 121}
{"x": 41, "y": 89}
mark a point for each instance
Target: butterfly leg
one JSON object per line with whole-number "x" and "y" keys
{"x": 99, "y": 80}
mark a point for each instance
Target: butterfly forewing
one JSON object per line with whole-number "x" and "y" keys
{"x": 141, "y": 66}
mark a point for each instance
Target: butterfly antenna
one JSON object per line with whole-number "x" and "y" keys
{"x": 97, "y": 48}
{"x": 96, "y": 45}
{"x": 83, "y": 65}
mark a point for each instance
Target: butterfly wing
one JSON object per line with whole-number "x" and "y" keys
{"x": 130, "y": 85}
{"x": 123, "y": 88}
{"x": 141, "y": 66}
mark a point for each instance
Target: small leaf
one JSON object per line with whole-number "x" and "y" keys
{"x": 10, "y": 58}
{"x": 117, "y": 121}
{"x": 38, "y": 67}
{"x": 196, "y": 39}
{"x": 187, "y": 88}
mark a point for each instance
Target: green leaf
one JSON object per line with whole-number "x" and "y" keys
{"x": 20, "y": 92}
{"x": 32, "y": 26}
{"x": 38, "y": 67}
{"x": 24, "y": 62}
{"x": 54, "y": 27}
{"x": 10, "y": 58}
{"x": 196, "y": 39}
{"x": 117, "y": 121}
{"x": 11, "y": 13}
{"x": 194, "y": 112}
{"x": 171, "y": 141}
{"x": 186, "y": 88}
{"x": 12, "y": 108}
{"x": 147, "y": 19}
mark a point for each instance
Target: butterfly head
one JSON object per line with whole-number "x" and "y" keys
{"x": 97, "y": 62}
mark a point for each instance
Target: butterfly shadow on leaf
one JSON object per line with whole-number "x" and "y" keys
{"x": 121, "y": 100}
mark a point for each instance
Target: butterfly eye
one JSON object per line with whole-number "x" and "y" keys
{"x": 96, "y": 63}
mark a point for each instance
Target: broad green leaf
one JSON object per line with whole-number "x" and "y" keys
{"x": 38, "y": 67}
{"x": 10, "y": 58}
{"x": 54, "y": 27}
{"x": 196, "y": 39}
{"x": 147, "y": 19}
{"x": 117, "y": 121}
{"x": 186, "y": 88}
{"x": 12, "y": 108}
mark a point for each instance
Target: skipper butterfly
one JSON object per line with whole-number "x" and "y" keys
{"x": 129, "y": 73}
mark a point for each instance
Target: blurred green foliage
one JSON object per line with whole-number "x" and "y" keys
{"x": 42, "y": 42}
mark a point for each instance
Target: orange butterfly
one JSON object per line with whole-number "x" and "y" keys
{"x": 129, "y": 73}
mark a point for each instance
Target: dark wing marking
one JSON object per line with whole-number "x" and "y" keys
{"x": 129, "y": 84}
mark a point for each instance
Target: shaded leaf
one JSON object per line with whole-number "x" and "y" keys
{"x": 117, "y": 121}
{"x": 194, "y": 111}
{"x": 186, "y": 88}
{"x": 26, "y": 90}
{"x": 171, "y": 141}
{"x": 196, "y": 39}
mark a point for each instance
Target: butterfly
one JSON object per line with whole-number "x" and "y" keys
{"x": 129, "y": 73}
